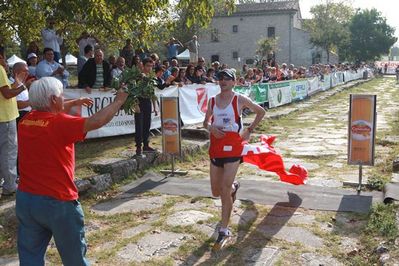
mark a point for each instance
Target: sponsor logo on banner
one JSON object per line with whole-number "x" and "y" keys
{"x": 170, "y": 127}
{"x": 279, "y": 93}
{"x": 361, "y": 130}
{"x": 279, "y": 96}
{"x": 391, "y": 66}
{"x": 202, "y": 99}
{"x": 120, "y": 124}
{"x": 299, "y": 90}
{"x": 171, "y": 143}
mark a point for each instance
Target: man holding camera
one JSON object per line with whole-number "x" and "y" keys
{"x": 173, "y": 48}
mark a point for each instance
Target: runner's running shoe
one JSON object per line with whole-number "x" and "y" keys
{"x": 221, "y": 241}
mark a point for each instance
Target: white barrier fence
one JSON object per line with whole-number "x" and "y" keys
{"x": 391, "y": 66}
{"x": 193, "y": 100}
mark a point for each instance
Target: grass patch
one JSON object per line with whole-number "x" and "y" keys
{"x": 377, "y": 181}
{"x": 382, "y": 221}
{"x": 8, "y": 236}
{"x": 382, "y": 172}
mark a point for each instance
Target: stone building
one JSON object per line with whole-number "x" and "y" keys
{"x": 232, "y": 39}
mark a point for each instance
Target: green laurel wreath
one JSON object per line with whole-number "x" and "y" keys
{"x": 137, "y": 85}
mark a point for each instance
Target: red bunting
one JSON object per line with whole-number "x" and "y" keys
{"x": 264, "y": 156}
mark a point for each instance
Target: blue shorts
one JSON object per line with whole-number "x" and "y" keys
{"x": 219, "y": 162}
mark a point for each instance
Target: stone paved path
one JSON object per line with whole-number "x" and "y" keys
{"x": 317, "y": 136}
{"x": 154, "y": 228}
{"x": 178, "y": 230}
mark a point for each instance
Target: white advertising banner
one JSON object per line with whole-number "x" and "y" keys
{"x": 334, "y": 79}
{"x": 313, "y": 85}
{"x": 340, "y": 77}
{"x": 193, "y": 105}
{"x": 391, "y": 66}
{"x": 349, "y": 76}
{"x": 193, "y": 101}
{"x": 354, "y": 75}
{"x": 279, "y": 94}
{"x": 326, "y": 83}
{"x": 299, "y": 90}
{"x": 121, "y": 124}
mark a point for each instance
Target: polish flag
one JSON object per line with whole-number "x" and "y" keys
{"x": 264, "y": 156}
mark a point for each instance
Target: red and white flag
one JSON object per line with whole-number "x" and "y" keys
{"x": 264, "y": 156}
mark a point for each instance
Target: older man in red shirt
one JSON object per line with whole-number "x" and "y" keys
{"x": 47, "y": 199}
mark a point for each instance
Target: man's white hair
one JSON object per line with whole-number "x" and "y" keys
{"x": 41, "y": 90}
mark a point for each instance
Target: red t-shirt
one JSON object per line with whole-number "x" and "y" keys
{"x": 46, "y": 154}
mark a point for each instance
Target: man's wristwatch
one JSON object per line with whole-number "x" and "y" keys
{"x": 23, "y": 87}
{"x": 250, "y": 129}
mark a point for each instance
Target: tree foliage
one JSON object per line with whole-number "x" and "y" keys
{"x": 266, "y": 46}
{"x": 329, "y": 25}
{"x": 371, "y": 36}
{"x": 186, "y": 22}
{"x": 112, "y": 21}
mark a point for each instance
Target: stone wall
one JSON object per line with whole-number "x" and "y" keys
{"x": 250, "y": 30}
{"x": 113, "y": 170}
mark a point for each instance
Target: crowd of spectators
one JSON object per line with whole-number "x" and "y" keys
{"x": 95, "y": 71}
{"x": 269, "y": 71}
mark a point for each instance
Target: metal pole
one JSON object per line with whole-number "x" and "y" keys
{"x": 173, "y": 165}
{"x": 359, "y": 188}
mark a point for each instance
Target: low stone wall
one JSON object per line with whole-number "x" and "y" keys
{"x": 113, "y": 170}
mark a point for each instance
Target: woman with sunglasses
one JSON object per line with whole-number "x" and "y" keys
{"x": 223, "y": 121}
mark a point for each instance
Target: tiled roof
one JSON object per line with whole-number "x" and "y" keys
{"x": 271, "y": 6}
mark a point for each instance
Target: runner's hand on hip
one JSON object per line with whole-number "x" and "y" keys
{"x": 245, "y": 134}
{"x": 218, "y": 133}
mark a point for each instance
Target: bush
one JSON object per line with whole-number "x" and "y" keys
{"x": 382, "y": 221}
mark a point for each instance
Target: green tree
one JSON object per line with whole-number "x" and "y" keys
{"x": 371, "y": 36}
{"x": 266, "y": 47}
{"x": 110, "y": 20}
{"x": 328, "y": 27}
{"x": 185, "y": 22}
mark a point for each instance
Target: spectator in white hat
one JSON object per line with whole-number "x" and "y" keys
{"x": 32, "y": 63}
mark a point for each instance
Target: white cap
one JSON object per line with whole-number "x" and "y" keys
{"x": 31, "y": 55}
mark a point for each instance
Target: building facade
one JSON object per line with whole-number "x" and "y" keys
{"x": 232, "y": 39}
